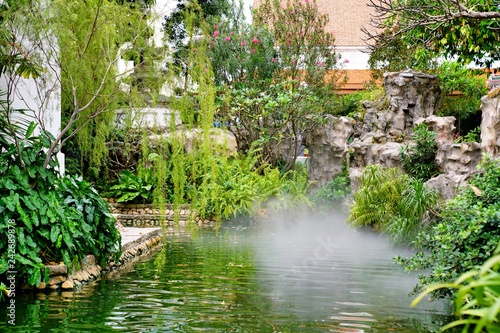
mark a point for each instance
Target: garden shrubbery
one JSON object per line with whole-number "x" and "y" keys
{"x": 418, "y": 159}
{"x": 466, "y": 234}
{"x": 332, "y": 193}
{"x": 392, "y": 202}
{"x": 48, "y": 217}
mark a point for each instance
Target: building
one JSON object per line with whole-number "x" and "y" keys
{"x": 347, "y": 18}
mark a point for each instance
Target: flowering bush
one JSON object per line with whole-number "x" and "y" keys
{"x": 274, "y": 77}
{"x": 241, "y": 54}
{"x": 305, "y": 50}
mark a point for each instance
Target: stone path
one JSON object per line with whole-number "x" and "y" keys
{"x": 133, "y": 236}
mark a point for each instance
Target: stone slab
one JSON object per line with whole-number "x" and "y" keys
{"x": 132, "y": 236}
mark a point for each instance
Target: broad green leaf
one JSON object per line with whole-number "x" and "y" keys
{"x": 68, "y": 240}
{"x": 66, "y": 257}
{"x": 10, "y": 185}
{"x": 31, "y": 129}
{"x": 54, "y": 233}
{"x": 59, "y": 242}
{"x": 25, "y": 261}
{"x": 44, "y": 233}
{"x": 24, "y": 217}
{"x": 34, "y": 218}
{"x": 11, "y": 201}
{"x": 28, "y": 203}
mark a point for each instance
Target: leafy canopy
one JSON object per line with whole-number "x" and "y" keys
{"x": 465, "y": 30}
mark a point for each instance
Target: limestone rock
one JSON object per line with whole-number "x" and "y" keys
{"x": 88, "y": 260}
{"x": 490, "y": 125}
{"x": 447, "y": 185}
{"x": 68, "y": 284}
{"x": 458, "y": 158}
{"x": 354, "y": 176}
{"x": 363, "y": 154}
{"x": 415, "y": 94}
{"x": 55, "y": 280}
{"x": 328, "y": 148}
{"x": 57, "y": 269}
{"x": 443, "y": 126}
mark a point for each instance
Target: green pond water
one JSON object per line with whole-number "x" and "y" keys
{"x": 287, "y": 274}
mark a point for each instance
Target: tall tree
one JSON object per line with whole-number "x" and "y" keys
{"x": 78, "y": 44}
{"x": 467, "y": 30}
{"x": 185, "y": 22}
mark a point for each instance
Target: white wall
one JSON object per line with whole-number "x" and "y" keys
{"x": 353, "y": 57}
{"x": 40, "y": 97}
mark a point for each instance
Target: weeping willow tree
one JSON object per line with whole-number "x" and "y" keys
{"x": 80, "y": 44}
{"x": 95, "y": 35}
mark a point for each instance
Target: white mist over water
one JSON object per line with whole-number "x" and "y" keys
{"x": 323, "y": 270}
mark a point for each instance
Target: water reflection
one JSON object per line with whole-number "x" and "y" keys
{"x": 290, "y": 274}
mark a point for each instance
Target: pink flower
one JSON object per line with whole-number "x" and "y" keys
{"x": 307, "y": 1}
{"x": 216, "y": 33}
{"x": 215, "y": 26}
{"x": 253, "y": 50}
{"x": 346, "y": 61}
{"x": 228, "y": 39}
{"x": 292, "y": 12}
{"x": 255, "y": 40}
{"x": 274, "y": 60}
{"x": 213, "y": 43}
{"x": 243, "y": 43}
{"x": 293, "y": 62}
{"x": 320, "y": 63}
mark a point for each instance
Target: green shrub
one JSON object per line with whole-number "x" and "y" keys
{"x": 472, "y": 136}
{"x": 469, "y": 83}
{"x": 466, "y": 234}
{"x": 350, "y": 104}
{"x": 418, "y": 160}
{"x": 133, "y": 188}
{"x": 377, "y": 196}
{"x": 392, "y": 202}
{"x": 477, "y": 299}
{"x": 47, "y": 217}
{"x": 412, "y": 210}
{"x": 333, "y": 192}
{"x": 236, "y": 187}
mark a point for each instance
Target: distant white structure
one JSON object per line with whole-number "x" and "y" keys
{"x": 40, "y": 97}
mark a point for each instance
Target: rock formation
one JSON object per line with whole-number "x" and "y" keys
{"x": 490, "y": 125}
{"x": 411, "y": 98}
{"x": 328, "y": 148}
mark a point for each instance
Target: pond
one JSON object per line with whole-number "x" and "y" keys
{"x": 286, "y": 274}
